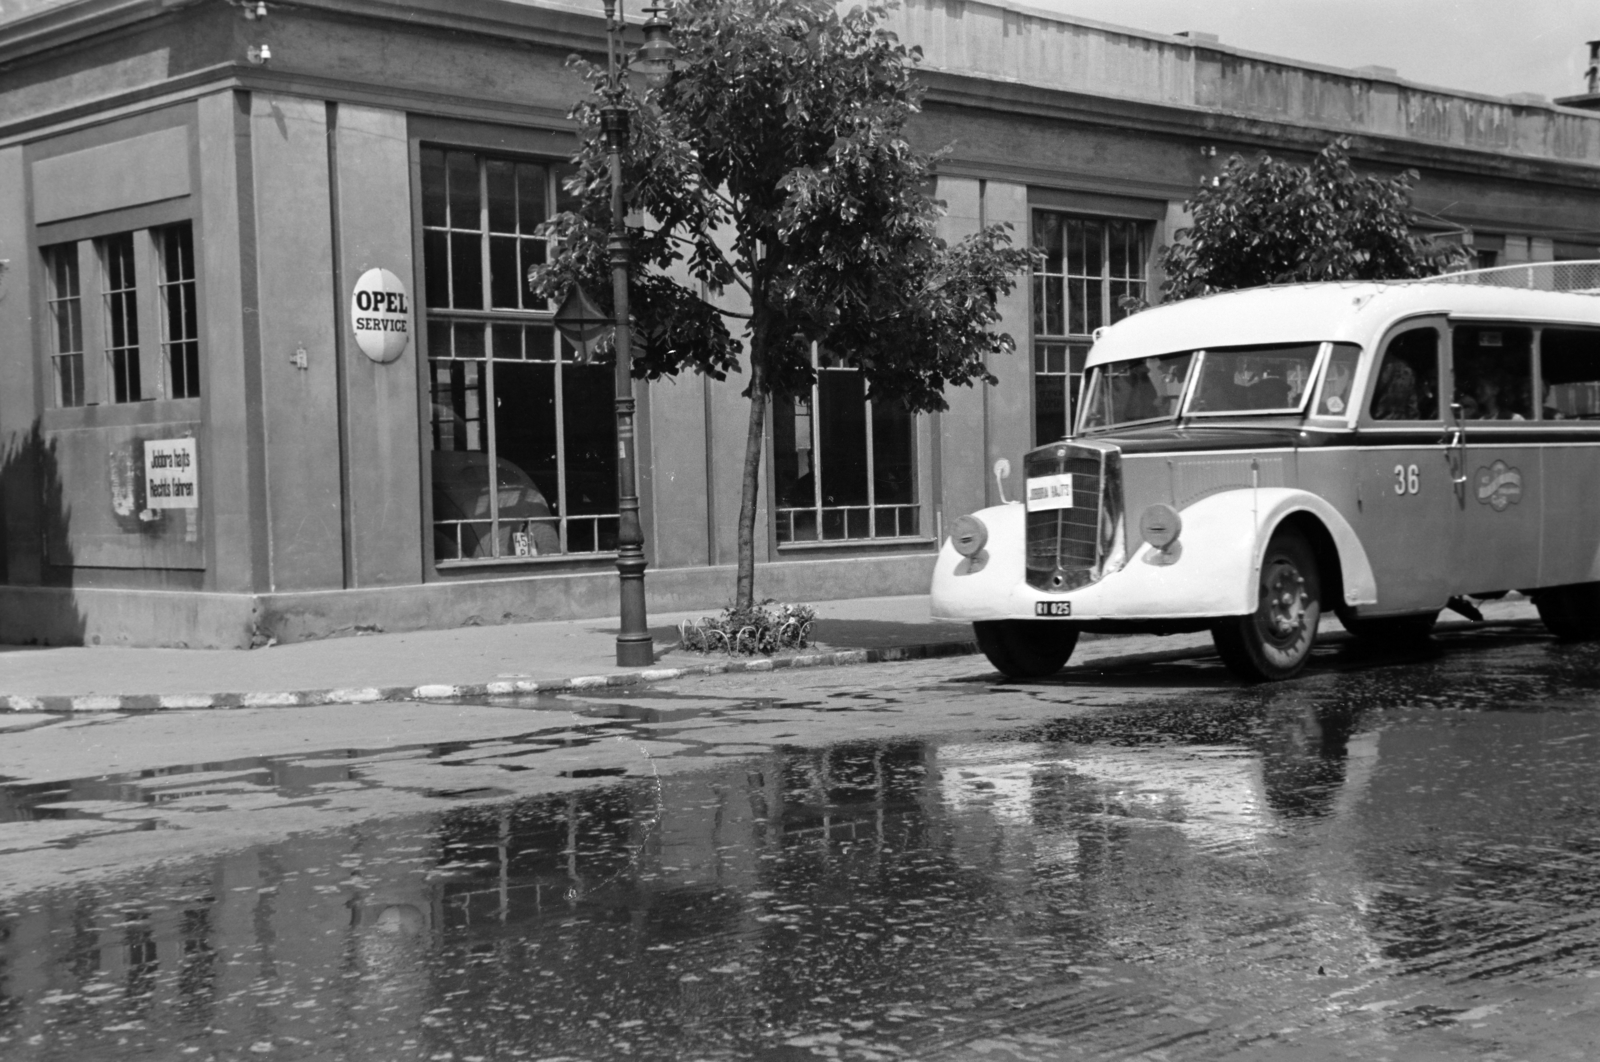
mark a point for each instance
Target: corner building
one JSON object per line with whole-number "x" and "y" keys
{"x": 217, "y": 223}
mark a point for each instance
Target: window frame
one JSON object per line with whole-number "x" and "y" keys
{"x": 434, "y": 319}
{"x": 143, "y": 229}
{"x": 916, "y": 507}
{"x": 1073, "y": 347}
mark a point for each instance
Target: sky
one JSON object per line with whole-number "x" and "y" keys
{"x": 1491, "y": 46}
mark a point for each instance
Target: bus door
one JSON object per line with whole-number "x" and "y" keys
{"x": 1569, "y": 388}
{"x": 1407, "y": 514}
{"x": 1494, "y": 432}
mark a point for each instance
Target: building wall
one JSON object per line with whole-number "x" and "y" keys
{"x": 301, "y": 174}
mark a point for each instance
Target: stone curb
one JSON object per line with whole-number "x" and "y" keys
{"x": 156, "y": 702}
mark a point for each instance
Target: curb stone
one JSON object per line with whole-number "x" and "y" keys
{"x": 156, "y": 702}
{"x": 150, "y": 702}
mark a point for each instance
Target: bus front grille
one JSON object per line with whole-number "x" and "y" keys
{"x": 1069, "y": 547}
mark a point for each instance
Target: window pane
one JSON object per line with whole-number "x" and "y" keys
{"x": 793, "y": 470}
{"x": 505, "y": 281}
{"x": 1334, "y": 398}
{"x": 433, "y": 187}
{"x": 463, "y": 178}
{"x": 533, "y": 253}
{"x": 1569, "y": 366}
{"x": 894, "y": 474}
{"x": 842, "y": 436}
{"x": 502, "y": 196}
{"x": 1408, "y": 380}
{"x": 589, "y": 416}
{"x": 122, "y": 317}
{"x": 1047, "y": 239}
{"x": 1493, "y": 372}
{"x": 525, "y": 443}
{"x": 1049, "y": 408}
{"x": 181, "y": 339}
{"x": 1234, "y": 379}
{"x": 532, "y": 193}
{"x": 466, "y": 272}
{"x": 66, "y": 316}
{"x": 436, "y": 267}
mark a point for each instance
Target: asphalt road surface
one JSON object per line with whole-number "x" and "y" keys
{"x": 1392, "y": 856}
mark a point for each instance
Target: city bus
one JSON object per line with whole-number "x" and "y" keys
{"x": 1248, "y": 461}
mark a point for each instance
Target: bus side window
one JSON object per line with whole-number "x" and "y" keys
{"x": 1408, "y": 379}
{"x": 1569, "y": 366}
{"x": 1334, "y": 398}
{"x": 1493, "y": 367}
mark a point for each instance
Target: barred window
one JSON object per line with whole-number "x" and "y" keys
{"x": 524, "y": 434}
{"x": 121, "y": 308}
{"x": 845, "y": 467}
{"x": 65, "y": 301}
{"x": 180, "y": 340}
{"x": 1090, "y": 265}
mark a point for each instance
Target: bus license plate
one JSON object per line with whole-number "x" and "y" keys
{"x": 1052, "y": 608}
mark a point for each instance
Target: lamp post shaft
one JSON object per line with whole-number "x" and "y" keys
{"x": 634, "y": 644}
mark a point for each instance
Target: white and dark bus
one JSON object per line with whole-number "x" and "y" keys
{"x": 1247, "y": 461}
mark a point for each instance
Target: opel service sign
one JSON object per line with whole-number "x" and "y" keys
{"x": 380, "y": 312}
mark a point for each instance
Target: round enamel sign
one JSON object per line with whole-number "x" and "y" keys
{"x": 380, "y": 313}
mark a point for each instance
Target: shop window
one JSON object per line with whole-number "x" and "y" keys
{"x": 1089, "y": 267}
{"x": 524, "y": 434}
{"x": 845, "y": 467}
{"x": 1569, "y": 372}
{"x": 112, "y": 277}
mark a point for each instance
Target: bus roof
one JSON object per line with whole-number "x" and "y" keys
{"x": 1350, "y": 312}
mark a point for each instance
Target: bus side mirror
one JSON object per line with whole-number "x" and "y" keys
{"x": 1002, "y": 472}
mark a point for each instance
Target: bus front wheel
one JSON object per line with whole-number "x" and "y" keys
{"x": 1274, "y": 642}
{"x": 1026, "y": 649}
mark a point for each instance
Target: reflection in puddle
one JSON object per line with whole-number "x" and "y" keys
{"x": 1337, "y": 868}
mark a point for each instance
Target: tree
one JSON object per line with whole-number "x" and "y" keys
{"x": 1272, "y": 222}
{"x": 774, "y": 161}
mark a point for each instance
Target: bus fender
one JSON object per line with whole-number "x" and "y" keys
{"x": 1276, "y": 505}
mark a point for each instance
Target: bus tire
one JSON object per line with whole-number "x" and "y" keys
{"x": 1572, "y": 613}
{"x": 1026, "y": 649}
{"x": 1274, "y": 642}
{"x": 1394, "y": 630}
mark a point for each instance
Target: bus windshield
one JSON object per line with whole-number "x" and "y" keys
{"x": 1128, "y": 392}
{"x": 1255, "y": 379}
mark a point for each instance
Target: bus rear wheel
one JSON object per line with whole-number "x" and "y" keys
{"x": 1274, "y": 642}
{"x": 1026, "y": 649}
{"x": 1571, "y": 612}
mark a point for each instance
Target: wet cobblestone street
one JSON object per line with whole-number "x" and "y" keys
{"x": 1385, "y": 858}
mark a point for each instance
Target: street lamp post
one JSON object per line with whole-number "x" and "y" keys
{"x": 634, "y": 646}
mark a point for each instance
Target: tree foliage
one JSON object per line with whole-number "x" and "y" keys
{"x": 1268, "y": 221}
{"x": 780, "y": 193}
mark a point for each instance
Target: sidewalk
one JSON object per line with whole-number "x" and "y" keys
{"x": 483, "y": 661}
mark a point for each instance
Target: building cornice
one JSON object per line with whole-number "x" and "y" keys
{"x": 1237, "y": 131}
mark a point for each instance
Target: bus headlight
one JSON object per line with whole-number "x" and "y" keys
{"x": 968, "y": 535}
{"x": 1160, "y": 525}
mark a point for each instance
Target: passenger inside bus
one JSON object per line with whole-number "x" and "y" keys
{"x": 1494, "y": 372}
{"x": 1408, "y": 382}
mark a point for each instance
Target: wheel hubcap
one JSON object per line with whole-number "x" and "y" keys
{"x": 1284, "y": 599}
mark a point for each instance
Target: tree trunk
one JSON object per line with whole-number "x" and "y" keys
{"x": 750, "y": 486}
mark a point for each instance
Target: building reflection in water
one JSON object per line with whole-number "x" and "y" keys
{"x": 909, "y": 888}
